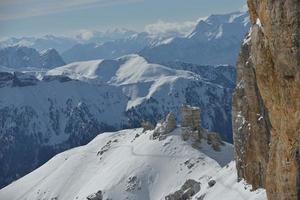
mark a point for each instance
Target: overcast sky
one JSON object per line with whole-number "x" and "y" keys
{"x": 64, "y": 17}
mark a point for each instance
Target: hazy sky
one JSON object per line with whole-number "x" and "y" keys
{"x": 39, "y": 17}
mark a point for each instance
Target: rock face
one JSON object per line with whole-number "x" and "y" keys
{"x": 170, "y": 123}
{"x": 267, "y": 101}
{"x": 191, "y": 117}
{"x": 166, "y": 127}
{"x": 97, "y": 196}
{"x": 188, "y": 189}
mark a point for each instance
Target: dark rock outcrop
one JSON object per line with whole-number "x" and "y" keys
{"x": 188, "y": 189}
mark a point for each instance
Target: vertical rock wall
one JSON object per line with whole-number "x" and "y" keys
{"x": 268, "y": 100}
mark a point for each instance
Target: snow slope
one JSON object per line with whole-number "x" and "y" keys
{"x": 158, "y": 168}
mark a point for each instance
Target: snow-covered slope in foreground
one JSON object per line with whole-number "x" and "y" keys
{"x": 125, "y": 166}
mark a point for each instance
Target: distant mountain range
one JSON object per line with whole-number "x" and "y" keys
{"x": 25, "y": 57}
{"x": 215, "y": 40}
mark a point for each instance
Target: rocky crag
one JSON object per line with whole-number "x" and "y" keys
{"x": 266, "y": 105}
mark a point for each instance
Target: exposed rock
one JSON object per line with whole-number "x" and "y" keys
{"x": 164, "y": 128}
{"x": 189, "y": 189}
{"x": 106, "y": 147}
{"x": 147, "y": 126}
{"x": 190, "y": 117}
{"x": 186, "y": 133}
{"x": 250, "y": 134}
{"x": 96, "y": 196}
{"x": 269, "y": 84}
{"x": 170, "y": 123}
{"x": 133, "y": 184}
{"x": 215, "y": 141}
{"x": 211, "y": 183}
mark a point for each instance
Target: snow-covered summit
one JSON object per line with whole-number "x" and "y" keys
{"x": 128, "y": 69}
{"x": 129, "y": 165}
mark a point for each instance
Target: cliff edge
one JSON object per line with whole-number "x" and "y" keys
{"x": 266, "y": 105}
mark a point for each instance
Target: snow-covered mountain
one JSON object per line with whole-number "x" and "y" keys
{"x": 40, "y": 118}
{"x": 62, "y": 44}
{"x": 130, "y": 165}
{"x": 41, "y": 43}
{"x": 68, "y": 106}
{"x": 25, "y": 57}
{"x": 110, "y": 49}
{"x": 215, "y": 40}
{"x": 154, "y": 89}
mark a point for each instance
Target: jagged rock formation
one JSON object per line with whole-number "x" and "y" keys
{"x": 191, "y": 121}
{"x": 215, "y": 141}
{"x": 170, "y": 123}
{"x": 191, "y": 117}
{"x": 165, "y": 127}
{"x": 147, "y": 126}
{"x": 269, "y": 81}
{"x": 97, "y": 196}
{"x": 188, "y": 189}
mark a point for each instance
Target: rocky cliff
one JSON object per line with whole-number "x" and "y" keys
{"x": 266, "y": 104}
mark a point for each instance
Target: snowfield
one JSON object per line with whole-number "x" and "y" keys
{"x": 129, "y": 165}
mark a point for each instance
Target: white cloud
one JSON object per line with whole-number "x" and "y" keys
{"x": 18, "y": 9}
{"x": 168, "y": 28}
{"x": 85, "y": 35}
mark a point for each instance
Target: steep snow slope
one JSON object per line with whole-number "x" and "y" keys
{"x": 125, "y": 166}
{"x": 21, "y": 57}
{"x": 215, "y": 40}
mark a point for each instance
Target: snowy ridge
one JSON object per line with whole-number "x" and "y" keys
{"x": 125, "y": 70}
{"x": 215, "y": 40}
{"x": 129, "y": 165}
